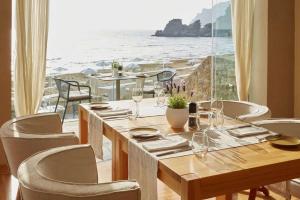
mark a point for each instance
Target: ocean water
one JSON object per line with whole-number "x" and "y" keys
{"x": 96, "y": 50}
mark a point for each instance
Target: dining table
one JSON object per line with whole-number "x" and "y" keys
{"x": 116, "y": 80}
{"x": 222, "y": 173}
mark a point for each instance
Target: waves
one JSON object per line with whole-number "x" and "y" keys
{"x": 97, "y": 51}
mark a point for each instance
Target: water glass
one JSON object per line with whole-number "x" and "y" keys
{"x": 137, "y": 96}
{"x": 158, "y": 92}
{"x": 202, "y": 114}
{"x": 217, "y": 115}
{"x": 200, "y": 144}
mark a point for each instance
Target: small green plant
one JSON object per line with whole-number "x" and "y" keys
{"x": 115, "y": 65}
{"x": 177, "y": 102}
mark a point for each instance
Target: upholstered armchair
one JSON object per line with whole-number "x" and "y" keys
{"x": 24, "y": 136}
{"x": 242, "y": 110}
{"x": 67, "y": 173}
{"x": 288, "y": 127}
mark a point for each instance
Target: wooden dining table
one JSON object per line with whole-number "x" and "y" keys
{"x": 221, "y": 174}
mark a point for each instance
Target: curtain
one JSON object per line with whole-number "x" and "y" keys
{"x": 242, "y": 31}
{"x": 31, "y": 48}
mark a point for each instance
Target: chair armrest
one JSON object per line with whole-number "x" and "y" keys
{"x": 85, "y": 86}
{"x": 74, "y": 84}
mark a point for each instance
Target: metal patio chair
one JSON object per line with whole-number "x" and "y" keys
{"x": 71, "y": 91}
{"x": 166, "y": 77}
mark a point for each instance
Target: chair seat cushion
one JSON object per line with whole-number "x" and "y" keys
{"x": 148, "y": 90}
{"x": 78, "y": 95}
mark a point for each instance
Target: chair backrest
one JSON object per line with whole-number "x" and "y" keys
{"x": 246, "y": 111}
{"x": 166, "y": 75}
{"x": 34, "y": 124}
{"x": 290, "y": 127}
{"x": 67, "y": 173}
{"x": 25, "y": 136}
{"x": 63, "y": 87}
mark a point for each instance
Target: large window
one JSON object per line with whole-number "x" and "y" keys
{"x": 86, "y": 36}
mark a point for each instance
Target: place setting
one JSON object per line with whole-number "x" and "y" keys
{"x": 157, "y": 144}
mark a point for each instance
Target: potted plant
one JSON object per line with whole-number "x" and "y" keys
{"x": 115, "y": 67}
{"x": 177, "y": 112}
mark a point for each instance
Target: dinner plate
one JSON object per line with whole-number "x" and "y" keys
{"x": 285, "y": 141}
{"x": 99, "y": 106}
{"x": 143, "y": 132}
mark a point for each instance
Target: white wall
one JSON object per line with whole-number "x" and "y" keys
{"x": 258, "y": 87}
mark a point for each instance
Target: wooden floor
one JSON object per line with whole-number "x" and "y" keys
{"x": 9, "y": 185}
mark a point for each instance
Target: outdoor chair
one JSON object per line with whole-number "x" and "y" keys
{"x": 166, "y": 77}
{"x": 67, "y": 173}
{"x": 71, "y": 91}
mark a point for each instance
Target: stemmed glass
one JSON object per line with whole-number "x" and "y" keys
{"x": 137, "y": 96}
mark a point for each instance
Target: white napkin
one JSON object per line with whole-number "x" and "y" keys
{"x": 247, "y": 131}
{"x": 108, "y": 113}
{"x": 169, "y": 143}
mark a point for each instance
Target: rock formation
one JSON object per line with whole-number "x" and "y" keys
{"x": 175, "y": 28}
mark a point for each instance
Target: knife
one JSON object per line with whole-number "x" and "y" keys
{"x": 174, "y": 151}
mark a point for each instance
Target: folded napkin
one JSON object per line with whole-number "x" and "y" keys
{"x": 174, "y": 142}
{"x": 117, "y": 112}
{"x": 248, "y": 131}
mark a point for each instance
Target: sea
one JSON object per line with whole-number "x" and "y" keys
{"x": 97, "y": 49}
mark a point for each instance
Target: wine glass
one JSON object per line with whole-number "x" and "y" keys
{"x": 200, "y": 144}
{"x": 137, "y": 96}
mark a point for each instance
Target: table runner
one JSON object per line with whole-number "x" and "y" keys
{"x": 95, "y": 134}
{"x": 143, "y": 166}
{"x": 95, "y": 124}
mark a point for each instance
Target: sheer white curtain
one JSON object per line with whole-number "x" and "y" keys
{"x": 242, "y": 30}
{"x": 31, "y": 48}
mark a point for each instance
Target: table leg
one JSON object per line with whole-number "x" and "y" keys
{"x": 118, "y": 90}
{"x": 83, "y": 127}
{"x": 119, "y": 160}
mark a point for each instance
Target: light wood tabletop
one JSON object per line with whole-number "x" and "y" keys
{"x": 221, "y": 174}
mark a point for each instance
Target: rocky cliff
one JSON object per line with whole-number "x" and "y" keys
{"x": 175, "y": 28}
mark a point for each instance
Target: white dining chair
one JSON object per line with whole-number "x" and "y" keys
{"x": 67, "y": 173}
{"x": 242, "y": 110}
{"x": 27, "y": 135}
{"x": 289, "y": 127}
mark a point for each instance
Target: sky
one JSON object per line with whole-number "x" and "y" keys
{"x": 76, "y": 15}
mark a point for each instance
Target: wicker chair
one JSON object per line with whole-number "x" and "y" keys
{"x": 71, "y": 91}
{"x": 166, "y": 77}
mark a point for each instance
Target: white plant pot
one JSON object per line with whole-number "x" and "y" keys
{"x": 177, "y": 118}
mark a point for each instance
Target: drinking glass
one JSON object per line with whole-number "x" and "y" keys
{"x": 200, "y": 143}
{"x": 201, "y": 125}
{"x": 217, "y": 115}
{"x": 137, "y": 96}
{"x": 158, "y": 91}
